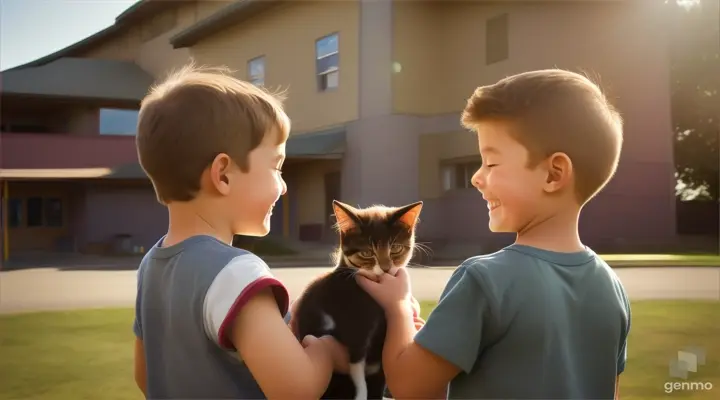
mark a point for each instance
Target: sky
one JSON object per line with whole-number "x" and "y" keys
{"x": 30, "y": 29}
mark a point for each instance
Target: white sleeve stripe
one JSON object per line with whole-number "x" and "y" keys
{"x": 239, "y": 273}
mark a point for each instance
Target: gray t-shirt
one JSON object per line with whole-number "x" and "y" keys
{"x": 187, "y": 296}
{"x": 526, "y": 323}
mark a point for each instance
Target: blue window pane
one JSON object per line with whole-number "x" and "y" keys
{"x": 326, "y": 45}
{"x": 257, "y": 67}
{"x": 327, "y": 63}
{"x": 118, "y": 122}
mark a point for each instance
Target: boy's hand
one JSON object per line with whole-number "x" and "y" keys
{"x": 391, "y": 292}
{"x": 338, "y": 352}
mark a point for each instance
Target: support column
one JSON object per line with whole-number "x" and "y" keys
{"x": 381, "y": 162}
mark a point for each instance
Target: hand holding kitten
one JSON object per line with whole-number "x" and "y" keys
{"x": 391, "y": 292}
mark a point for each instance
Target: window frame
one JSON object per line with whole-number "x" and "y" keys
{"x": 322, "y": 76}
{"x": 252, "y": 79}
{"x": 449, "y": 173}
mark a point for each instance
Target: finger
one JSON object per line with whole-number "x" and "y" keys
{"x": 365, "y": 283}
{"x": 308, "y": 340}
{"x": 401, "y": 273}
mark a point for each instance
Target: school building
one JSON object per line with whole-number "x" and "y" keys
{"x": 375, "y": 91}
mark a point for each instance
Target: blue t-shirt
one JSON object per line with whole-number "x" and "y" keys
{"x": 188, "y": 295}
{"x": 526, "y": 323}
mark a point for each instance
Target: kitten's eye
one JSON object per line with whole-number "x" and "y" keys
{"x": 397, "y": 248}
{"x": 367, "y": 254}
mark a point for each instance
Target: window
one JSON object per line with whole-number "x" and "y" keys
{"x": 34, "y": 208}
{"x": 497, "y": 39}
{"x": 118, "y": 122}
{"x": 15, "y": 213}
{"x": 326, "y": 62}
{"x": 458, "y": 175}
{"x": 53, "y": 212}
{"x": 256, "y": 71}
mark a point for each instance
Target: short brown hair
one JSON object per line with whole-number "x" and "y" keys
{"x": 556, "y": 111}
{"x": 196, "y": 114}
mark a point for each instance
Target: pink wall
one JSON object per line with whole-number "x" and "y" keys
{"x": 27, "y": 150}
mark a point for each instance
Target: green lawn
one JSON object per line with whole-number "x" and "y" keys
{"x": 88, "y": 354}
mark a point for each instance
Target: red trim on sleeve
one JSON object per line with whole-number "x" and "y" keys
{"x": 281, "y": 295}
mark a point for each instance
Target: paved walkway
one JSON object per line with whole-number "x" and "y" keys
{"x": 52, "y": 289}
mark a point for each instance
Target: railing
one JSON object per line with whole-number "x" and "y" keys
{"x": 47, "y": 150}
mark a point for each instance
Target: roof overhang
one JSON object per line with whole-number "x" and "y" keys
{"x": 126, "y": 171}
{"x": 224, "y": 18}
{"x": 326, "y": 144}
{"x": 85, "y": 78}
{"x": 139, "y": 10}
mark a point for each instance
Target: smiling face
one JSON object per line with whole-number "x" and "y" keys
{"x": 513, "y": 191}
{"x": 376, "y": 240}
{"x": 252, "y": 195}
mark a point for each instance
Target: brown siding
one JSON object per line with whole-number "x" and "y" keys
{"x": 286, "y": 36}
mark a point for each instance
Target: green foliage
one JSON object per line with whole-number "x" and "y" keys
{"x": 694, "y": 28}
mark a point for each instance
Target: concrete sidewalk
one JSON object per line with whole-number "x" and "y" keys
{"x": 53, "y": 289}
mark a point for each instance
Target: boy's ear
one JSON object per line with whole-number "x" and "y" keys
{"x": 408, "y": 214}
{"x": 345, "y": 215}
{"x": 218, "y": 173}
{"x": 559, "y": 172}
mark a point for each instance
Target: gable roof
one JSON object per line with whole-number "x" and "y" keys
{"x": 141, "y": 9}
{"x": 87, "y": 78}
{"x": 227, "y": 16}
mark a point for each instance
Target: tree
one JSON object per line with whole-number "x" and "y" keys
{"x": 695, "y": 86}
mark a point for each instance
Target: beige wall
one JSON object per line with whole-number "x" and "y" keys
{"x": 155, "y": 54}
{"x": 416, "y": 42}
{"x": 286, "y": 36}
{"x": 308, "y": 184}
{"x": 441, "y": 66}
{"x": 124, "y": 46}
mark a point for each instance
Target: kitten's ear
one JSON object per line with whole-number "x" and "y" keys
{"x": 345, "y": 216}
{"x": 408, "y": 214}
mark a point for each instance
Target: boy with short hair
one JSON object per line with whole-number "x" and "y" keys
{"x": 544, "y": 318}
{"x": 209, "y": 317}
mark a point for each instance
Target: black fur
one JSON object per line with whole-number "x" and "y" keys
{"x": 359, "y": 321}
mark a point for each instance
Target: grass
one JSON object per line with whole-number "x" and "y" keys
{"x": 88, "y": 354}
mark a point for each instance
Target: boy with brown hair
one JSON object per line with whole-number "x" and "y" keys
{"x": 544, "y": 318}
{"x": 209, "y": 316}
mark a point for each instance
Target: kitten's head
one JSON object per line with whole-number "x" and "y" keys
{"x": 378, "y": 239}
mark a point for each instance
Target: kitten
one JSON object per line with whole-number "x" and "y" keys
{"x": 373, "y": 241}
